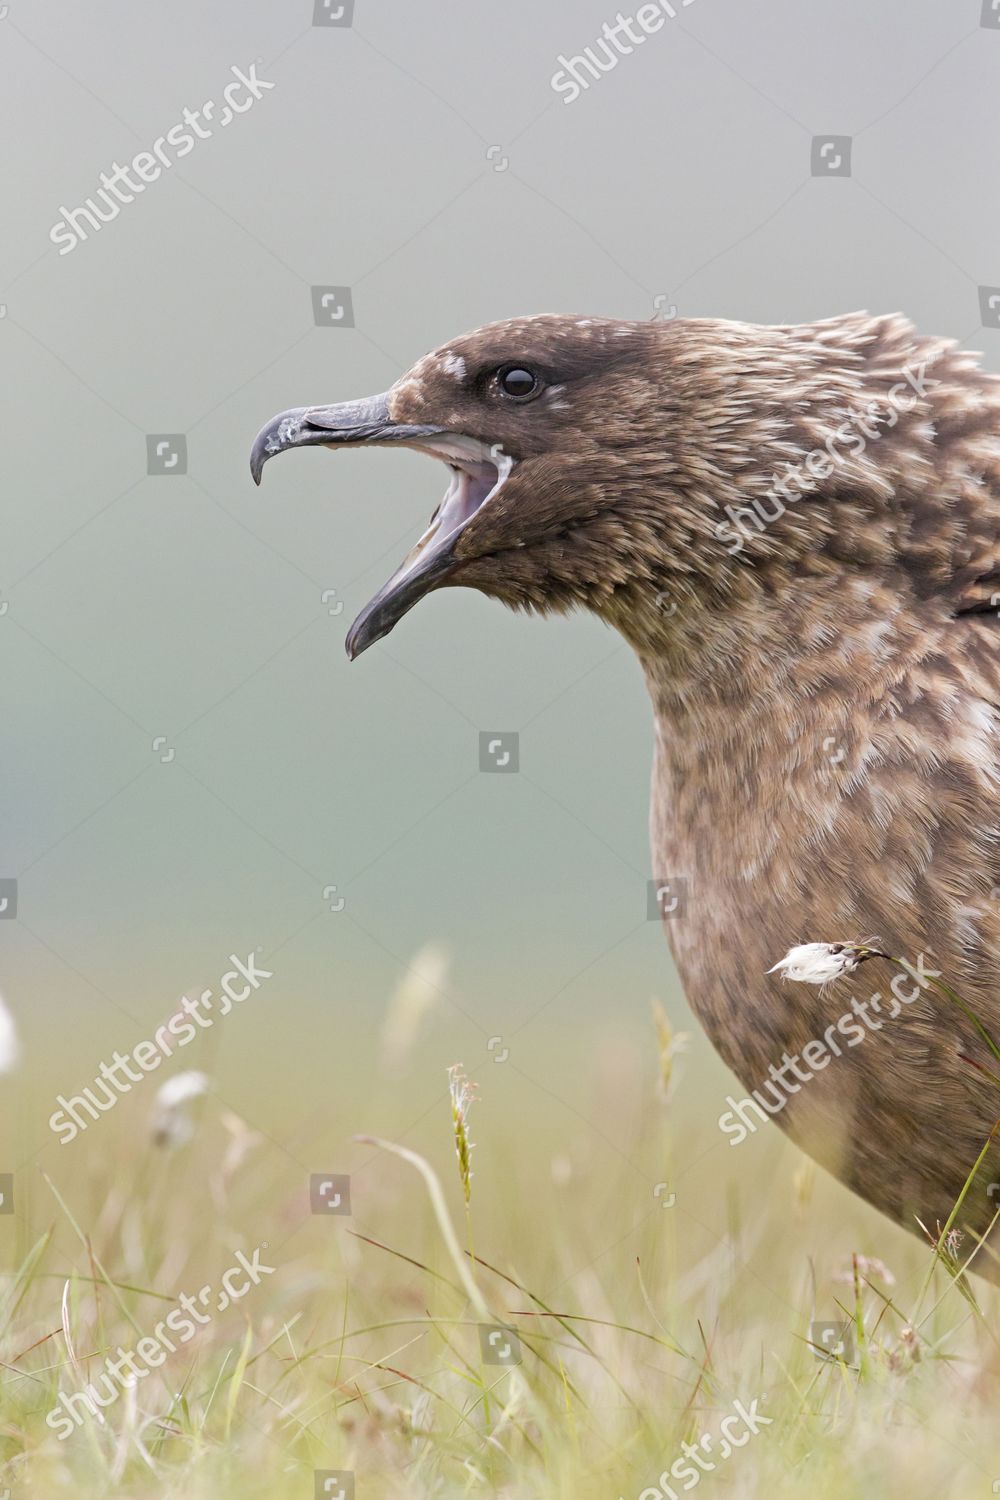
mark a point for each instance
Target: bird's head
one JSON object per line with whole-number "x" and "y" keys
{"x": 549, "y": 427}
{"x": 598, "y": 463}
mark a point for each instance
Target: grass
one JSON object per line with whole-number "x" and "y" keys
{"x": 640, "y": 1320}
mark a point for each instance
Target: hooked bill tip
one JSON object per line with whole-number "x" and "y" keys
{"x": 356, "y": 642}
{"x": 258, "y": 458}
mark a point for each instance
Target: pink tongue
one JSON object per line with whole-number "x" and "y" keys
{"x": 466, "y": 495}
{"x": 471, "y": 491}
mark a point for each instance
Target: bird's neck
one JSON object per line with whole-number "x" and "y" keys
{"x": 765, "y": 715}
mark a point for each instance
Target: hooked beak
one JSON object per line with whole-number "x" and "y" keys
{"x": 477, "y": 472}
{"x": 344, "y": 425}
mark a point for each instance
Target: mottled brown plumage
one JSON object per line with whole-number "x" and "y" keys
{"x": 823, "y": 669}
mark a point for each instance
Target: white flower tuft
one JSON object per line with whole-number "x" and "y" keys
{"x": 172, "y": 1124}
{"x": 179, "y": 1089}
{"x": 818, "y": 963}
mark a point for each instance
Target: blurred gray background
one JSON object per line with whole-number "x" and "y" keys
{"x": 188, "y": 761}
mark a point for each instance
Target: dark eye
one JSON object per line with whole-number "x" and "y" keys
{"x": 518, "y": 382}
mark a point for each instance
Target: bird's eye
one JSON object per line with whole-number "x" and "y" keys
{"x": 518, "y": 382}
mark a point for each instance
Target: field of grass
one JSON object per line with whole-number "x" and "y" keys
{"x": 648, "y": 1285}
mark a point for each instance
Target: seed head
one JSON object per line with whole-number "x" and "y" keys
{"x": 463, "y": 1096}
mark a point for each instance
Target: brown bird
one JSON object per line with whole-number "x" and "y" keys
{"x": 797, "y": 530}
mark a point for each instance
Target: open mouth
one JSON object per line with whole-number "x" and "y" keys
{"x": 477, "y": 472}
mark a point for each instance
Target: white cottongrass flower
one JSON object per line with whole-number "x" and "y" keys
{"x": 818, "y": 963}
{"x": 172, "y": 1124}
{"x": 10, "y": 1047}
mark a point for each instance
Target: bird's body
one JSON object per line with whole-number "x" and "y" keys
{"x": 797, "y": 529}
{"x": 879, "y": 817}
